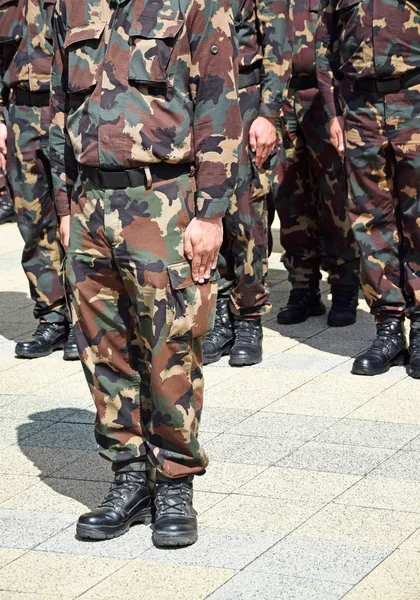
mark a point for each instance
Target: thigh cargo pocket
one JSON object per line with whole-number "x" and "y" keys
{"x": 191, "y": 307}
{"x": 85, "y": 55}
{"x": 152, "y": 43}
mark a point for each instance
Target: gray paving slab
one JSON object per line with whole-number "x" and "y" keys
{"x": 288, "y": 361}
{"x": 403, "y": 465}
{"x": 336, "y": 458}
{"x": 129, "y": 546}
{"x": 327, "y": 560}
{"x": 254, "y": 451}
{"x": 222, "y": 419}
{"x": 218, "y": 548}
{"x": 26, "y": 529}
{"x": 42, "y": 408}
{"x": 374, "y": 434}
{"x": 74, "y": 436}
{"x": 414, "y": 445}
{"x": 282, "y": 426}
{"x": 248, "y": 585}
{"x": 12, "y": 431}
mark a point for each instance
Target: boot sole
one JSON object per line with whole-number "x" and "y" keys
{"x": 90, "y": 532}
{"x": 11, "y": 220}
{"x": 414, "y": 373}
{"x": 24, "y": 354}
{"x": 314, "y": 312}
{"x": 71, "y": 356}
{"x": 242, "y": 362}
{"x": 398, "y": 361}
{"x": 173, "y": 540}
{"x": 209, "y": 360}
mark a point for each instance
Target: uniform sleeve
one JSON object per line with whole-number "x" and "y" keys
{"x": 3, "y": 90}
{"x": 63, "y": 161}
{"x": 217, "y": 121}
{"x": 327, "y": 44}
{"x": 275, "y": 24}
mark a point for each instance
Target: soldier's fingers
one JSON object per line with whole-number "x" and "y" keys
{"x": 252, "y": 140}
{"x": 3, "y": 161}
{"x": 188, "y": 249}
{"x": 195, "y": 267}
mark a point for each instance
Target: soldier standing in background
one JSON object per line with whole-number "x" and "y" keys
{"x": 310, "y": 193}
{"x": 368, "y": 61}
{"x": 264, "y": 30}
{"x": 7, "y": 213}
{"x": 144, "y": 105}
{"x": 25, "y": 65}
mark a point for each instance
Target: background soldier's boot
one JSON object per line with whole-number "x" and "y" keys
{"x": 7, "y": 213}
{"x": 128, "y": 501}
{"x": 247, "y": 347}
{"x": 175, "y": 522}
{"x": 219, "y": 340}
{"x": 413, "y": 368}
{"x": 70, "y": 348}
{"x": 387, "y": 350}
{"x": 302, "y": 304}
{"x": 344, "y": 307}
{"x": 46, "y": 338}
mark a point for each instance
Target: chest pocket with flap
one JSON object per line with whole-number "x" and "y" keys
{"x": 85, "y": 53}
{"x": 152, "y": 44}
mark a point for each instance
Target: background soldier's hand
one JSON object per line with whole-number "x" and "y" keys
{"x": 202, "y": 241}
{"x": 65, "y": 231}
{"x": 3, "y": 145}
{"x": 337, "y": 134}
{"x": 262, "y": 139}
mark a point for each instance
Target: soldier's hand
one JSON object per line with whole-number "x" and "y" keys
{"x": 262, "y": 139}
{"x": 202, "y": 241}
{"x": 337, "y": 134}
{"x": 65, "y": 231}
{"x": 3, "y": 145}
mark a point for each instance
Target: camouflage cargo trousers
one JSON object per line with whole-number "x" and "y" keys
{"x": 243, "y": 256}
{"x": 29, "y": 176}
{"x": 3, "y": 187}
{"x": 139, "y": 322}
{"x": 383, "y": 164}
{"x": 310, "y": 196}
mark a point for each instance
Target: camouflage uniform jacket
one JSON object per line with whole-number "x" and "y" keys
{"x": 264, "y": 29}
{"x": 25, "y": 46}
{"x": 153, "y": 82}
{"x": 305, "y": 17}
{"x": 369, "y": 38}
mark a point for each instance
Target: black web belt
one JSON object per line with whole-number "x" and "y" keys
{"x": 303, "y": 82}
{"x": 250, "y": 77}
{"x": 26, "y": 98}
{"x": 140, "y": 177}
{"x": 388, "y": 85}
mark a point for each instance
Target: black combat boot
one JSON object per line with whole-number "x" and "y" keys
{"x": 413, "y": 368}
{"x": 301, "y": 305}
{"x": 46, "y": 338}
{"x": 219, "y": 340}
{"x": 70, "y": 348}
{"x": 7, "y": 213}
{"x": 344, "y": 307}
{"x": 387, "y": 350}
{"x": 175, "y": 522}
{"x": 247, "y": 347}
{"x": 128, "y": 501}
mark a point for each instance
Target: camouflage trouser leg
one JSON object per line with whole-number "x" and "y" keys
{"x": 4, "y": 193}
{"x": 383, "y": 162}
{"x": 244, "y": 249}
{"x": 139, "y": 322}
{"x": 311, "y": 198}
{"x": 30, "y": 180}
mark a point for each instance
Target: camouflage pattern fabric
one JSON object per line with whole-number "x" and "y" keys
{"x": 25, "y": 62}
{"x": 154, "y": 83}
{"x": 139, "y": 318}
{"x": 381, "y": 130}
{"x": 146, "y": 381}
{"x": 3, "y": 186}
{"x": 264, "y": 32}
{"x": 310, "y": 192}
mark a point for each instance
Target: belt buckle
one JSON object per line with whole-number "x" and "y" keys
{"x": 388, "y": 85}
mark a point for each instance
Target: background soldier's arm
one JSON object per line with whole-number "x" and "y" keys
{"x": 217, "y": 119}
{"x": 276, "y": 32}
{"x": 327, "y": 41}
{"x": 63, "y": 162}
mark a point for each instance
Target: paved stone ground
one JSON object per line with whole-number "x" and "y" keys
{"x": 313, "y": 491}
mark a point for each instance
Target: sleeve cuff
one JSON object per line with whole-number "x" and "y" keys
{"x": 211, "y": 208}
{"x": 62, "y": 203}
{"x": 270, "y": 111}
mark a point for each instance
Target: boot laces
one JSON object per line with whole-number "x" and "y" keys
{"x": 248, "y": 328}
{"x": 121, "y": 487}
{"x": 42, "y": 329}
{"x": 385, "y": 337}
{"x": 173, "y": 498}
